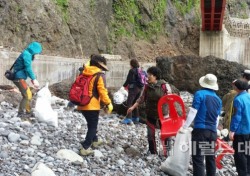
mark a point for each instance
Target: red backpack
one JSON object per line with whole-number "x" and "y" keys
{"x": 79, "y": 91}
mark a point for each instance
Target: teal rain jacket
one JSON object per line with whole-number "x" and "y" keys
{"x": 23, "y": 65}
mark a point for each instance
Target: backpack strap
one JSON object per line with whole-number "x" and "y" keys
{"x": 167, "y": 88}
{"x": 13, "y": 64}
{"x": 164, "y": 88}
{"x": 95, "y": 91}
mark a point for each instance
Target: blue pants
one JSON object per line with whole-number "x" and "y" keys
{"x": 203, "y": 147}
{"x": 92, "y": 122}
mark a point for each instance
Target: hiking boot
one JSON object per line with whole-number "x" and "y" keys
{"x": 86, "y": 152}
{"x": 97, "y": 143}
{"x": 70, "y": 106}
{"x": 135, "y": 119}
{"x": 126, "y": 121}
{"x": 24, "y": 115}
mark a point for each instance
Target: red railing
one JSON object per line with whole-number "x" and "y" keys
{"x": 212, "y": 12}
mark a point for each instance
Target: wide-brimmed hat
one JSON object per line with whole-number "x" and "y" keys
{"x": 209, "y": 81}
{"x": 99, "y": 61}
{"x": 105, "y": 68}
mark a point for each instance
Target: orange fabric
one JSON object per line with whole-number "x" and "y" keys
{"x": 102, "y": 90}
{"x": 23, "y": 84}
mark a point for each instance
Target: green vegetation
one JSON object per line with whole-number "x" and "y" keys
{"x": 185, "y": 6}
{"x": 128, "y": 19}
{"x": 92, "y": 5}
{"x": 244, "y": 6}
{"x": 63, "y": 5}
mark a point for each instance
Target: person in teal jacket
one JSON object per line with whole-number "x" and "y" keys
{"x": 240, "y": 128}
{"x": 23, "y": 70}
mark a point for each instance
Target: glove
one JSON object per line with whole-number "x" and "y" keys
{"x": 122, "y": 89}
{"x": 35, "y": 83}
{"x": 224, "y": 132}
{"x": 183, "y": 130}
{"x": 110, "y": 108}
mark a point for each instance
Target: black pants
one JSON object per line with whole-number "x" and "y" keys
{"x": 92, "y": 118}
{"x": 133, "y": 95}
{"x": 203, "y": 147}
{"x": 151, "y": 125}
{"x": 241, "y": 145}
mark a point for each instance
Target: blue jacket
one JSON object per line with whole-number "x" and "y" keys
{"x": 240, "y": 123}
{"x": 23, "y": 65}
{"x": 208, "y": 106}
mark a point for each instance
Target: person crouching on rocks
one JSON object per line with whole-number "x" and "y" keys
{"x": 23, "y": 70}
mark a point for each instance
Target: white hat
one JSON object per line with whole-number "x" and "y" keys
{"x": 246, "y": 71}
{"x": 209, "y": 81}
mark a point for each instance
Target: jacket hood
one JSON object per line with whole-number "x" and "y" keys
{"x": 91, "y": 70}
{"x": 34, "y": 48}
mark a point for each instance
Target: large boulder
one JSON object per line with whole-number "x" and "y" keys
{"x": 10, "y": 96}
{"x": 184, "y": 71}
{"x": 61, "y": 89}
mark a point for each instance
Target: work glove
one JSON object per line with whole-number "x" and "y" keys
{"x": 110, "y": 108}
{"x": 183, "y": 130}
{"x": 224, "y": 132}
{"x": 35, "y": 83}
{"x": 122, "y": 89}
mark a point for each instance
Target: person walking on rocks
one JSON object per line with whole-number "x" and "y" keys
{"x": 205, "y": 110}
{"x": 23, "y": 70}
{"x": 134, "y": 91}
{"x": 91, "y": 111}
{"x": 240, "y": 128}
{"x": 151, "y": 94}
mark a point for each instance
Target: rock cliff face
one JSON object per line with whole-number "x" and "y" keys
{"x": 75, "y": 28}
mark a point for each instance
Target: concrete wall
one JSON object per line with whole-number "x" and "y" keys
{"x": 55, "y": 69}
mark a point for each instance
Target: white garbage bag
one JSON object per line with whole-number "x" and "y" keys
{"x": 120, "y": 96}
{"x": 177, "y": 164}
{"x": 43, "y": 110}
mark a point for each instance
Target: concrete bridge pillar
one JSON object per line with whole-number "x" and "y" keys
{"x": 212, "y": 43}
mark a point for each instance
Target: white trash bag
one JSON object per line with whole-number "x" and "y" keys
{"x": 120, "y": 96}
{"x": 43, "y": 110}
{"x": 177, "y": 164}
